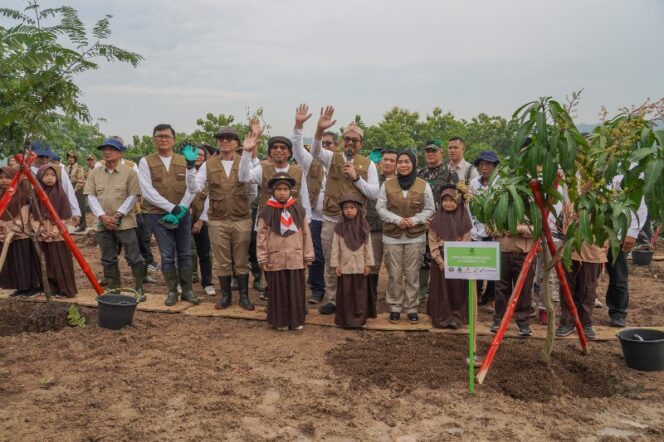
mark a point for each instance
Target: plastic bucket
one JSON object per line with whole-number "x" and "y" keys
{"x": 115, "y": 310}
{"x": 641, "y": 257}
{"x": 643, "y": 348}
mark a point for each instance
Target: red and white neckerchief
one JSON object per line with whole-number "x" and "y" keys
{"x": 286, "y": 222}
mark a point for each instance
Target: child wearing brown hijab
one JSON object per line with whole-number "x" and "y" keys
{"x": 448, "y": 300}
{"x": 352, "y": 257}
{"x": 58, "y": 257}
{"x": 283, "y": 250}
{"x": 21, "y": 270}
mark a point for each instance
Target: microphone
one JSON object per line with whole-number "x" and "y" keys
{"x": 348, "y": 156}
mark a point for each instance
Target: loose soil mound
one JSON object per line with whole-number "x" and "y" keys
{"x": 18, "y": 317}
{"x": 439, "y": 361}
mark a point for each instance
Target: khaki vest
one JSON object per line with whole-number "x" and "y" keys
{"x": 197, "y": 204}
{"x": 170, "y": 184}
{"x": 229, "y": 198}
{"x": 315, "y": 181}
{"x": 405, "y": 207}
{"x": 337, "y": 183}
{"x": 269, "y": 171}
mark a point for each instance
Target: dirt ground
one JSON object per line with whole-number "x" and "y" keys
{"x": 178, "y": 377}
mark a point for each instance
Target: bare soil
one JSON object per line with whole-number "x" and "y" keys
{"x": 177, "y": 377}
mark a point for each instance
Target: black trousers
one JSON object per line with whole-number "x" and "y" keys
{"x": 582, "y": 281}
{"x": 617, "y": 295}
{"x": 511, "y": 264}
{"x": 202, "y": 242}
{"x": 144, "y": 234}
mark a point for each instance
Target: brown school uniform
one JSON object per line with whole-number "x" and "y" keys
{"x": 284, "y": 259}
{"x": 355, "y": 298}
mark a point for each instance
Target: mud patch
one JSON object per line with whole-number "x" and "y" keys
{"x": 404, "y": 363}
{"x": 18, "y": 317}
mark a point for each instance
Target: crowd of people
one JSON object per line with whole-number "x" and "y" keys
{"x": 321, "y": 215}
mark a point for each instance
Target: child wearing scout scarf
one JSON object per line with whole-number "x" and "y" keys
{"x": 58, "y": 257}
{"x": 283, "y": 250}
{"x": 448, "y": 304}
{"x": 352, "y": 258}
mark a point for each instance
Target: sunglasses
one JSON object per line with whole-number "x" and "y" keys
{"x": 352, "y": 140}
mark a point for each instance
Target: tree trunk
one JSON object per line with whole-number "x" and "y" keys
{"x": 545, "y": 354}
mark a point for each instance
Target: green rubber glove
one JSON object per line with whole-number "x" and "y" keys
{"x": 183, "y": 212}
{"x": 170, "y": 218}
{"x": 190, "y": 154}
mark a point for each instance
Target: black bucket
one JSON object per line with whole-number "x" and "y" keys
{"x": 641, "y": 257}
{"x": 643, "y": 348}
{"x": 116, "y": 310}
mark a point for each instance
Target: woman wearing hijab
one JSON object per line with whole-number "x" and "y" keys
{"x": 21, "y": 270}
{"x": 284, "y": 249}
{"x": 352, "y": 258}
{"x": 58, "y": 257}
{"x": 405, "y": 205}
{"x": 448, "y": 304}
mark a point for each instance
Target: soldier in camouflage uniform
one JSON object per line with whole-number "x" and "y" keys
{"x": 438, "y": 174}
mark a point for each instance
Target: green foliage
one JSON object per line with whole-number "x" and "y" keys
{"x": 74, "y": 317}
{"x": 39, "y": 63}
{"x": 589, "y": 169}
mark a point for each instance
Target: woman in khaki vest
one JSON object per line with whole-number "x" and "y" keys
{"x": 405, "y": 205}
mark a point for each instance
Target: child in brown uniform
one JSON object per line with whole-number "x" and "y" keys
{"x": 283, "y": 250}
{"x": 352, "y": 257}
{"x": 448, "y": 302}
{"x": 58, "y": 257}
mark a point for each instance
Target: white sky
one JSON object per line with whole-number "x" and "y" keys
{"x": 366, "y": 56}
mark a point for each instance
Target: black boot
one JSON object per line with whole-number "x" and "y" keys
{"x": 226, "y": 294}
{"x": 112, "y": 277}
{"x": 243, "y": 287}
{"x": 258, "y": 282}
{"x": 186, "y": 276}
{"x": 171, "y": 278}
{"x": 138, "y": 271}
{"x": 234, "y": 282}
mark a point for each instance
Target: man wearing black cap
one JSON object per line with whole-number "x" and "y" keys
{"x": 486, "y": 163}
{"x": 229, "y": 213}
{"x": 112, "y": 191}
{"x": 161, "y": 176}
{"x": 76, "y": 175}
{"x": 438, "y": 175}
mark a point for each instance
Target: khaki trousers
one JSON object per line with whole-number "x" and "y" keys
{"x": 326, "y": 236}
{"x": 403, "y": 262}
{"x": 377, "y": 244}
{"x": 230, "y": 246}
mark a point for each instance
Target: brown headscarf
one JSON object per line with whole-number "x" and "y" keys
{"x": 19, "y": 199}
{"x": 55, "y": 193}
{"x": 271, "y": 213}
{"x": 450, "y": 226}
{"x": 354, "y": 231}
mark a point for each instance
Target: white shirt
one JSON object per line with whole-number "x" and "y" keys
{"x": 478, "y": 231}
{"x": 304, "y": 159}
{"x": 253, "y": 174}
{"x": 462, "y": 168}
{"x": 368, "y": 188}
{"x": 638, "y": 219}
{"x": 67, "y": 187}
{"x": 122, "y": 161}
{"x": 150, "y": 193}
{"x": 391, "y": 217}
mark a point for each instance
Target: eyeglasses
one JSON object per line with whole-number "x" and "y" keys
{"x": 352, "y": 140}
{"x": 279, "y": 147}
{"x": 162, "y": 137}
{"x": 226, "y": 138}
{"x": 328, "y": 143}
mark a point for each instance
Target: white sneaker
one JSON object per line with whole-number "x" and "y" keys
{"x": 209, "y": 290}
{"x": 179, "y": 289}
{"x": 598, "y": 303}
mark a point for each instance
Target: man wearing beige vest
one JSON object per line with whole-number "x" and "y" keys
{"x": 166, "y": 201}
{"x": 347, "y": 172}
{"x": 229, "y": 214}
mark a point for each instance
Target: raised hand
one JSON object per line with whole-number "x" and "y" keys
{"x": 301, "y": 116}
{"x": 325, "y": 120}
{"x": 251, "y": 140}
{"x": 190, "y": 155}
{"x": 256, "y": 127}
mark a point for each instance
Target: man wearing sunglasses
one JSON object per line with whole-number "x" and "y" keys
{"x": 347, "y": 172}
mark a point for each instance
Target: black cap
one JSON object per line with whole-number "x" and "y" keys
{"x": 283, "y": 140}
{"x": 227, "y": 131}
{"x": 281, "y": 177}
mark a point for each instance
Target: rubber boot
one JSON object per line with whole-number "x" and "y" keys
{"x": 112, "y": 277}
{"x": 226, "y": 293}
{"x": 139, "y": 271}
{"x": 171, "y": 278}
{"x": 258, "y": 282}
{"x": 234, "y": 282}
{"x": 185, "y": 282}
{"x": 243, "y": 287}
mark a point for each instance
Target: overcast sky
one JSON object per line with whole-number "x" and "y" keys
{"x": 366, "y": 56}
